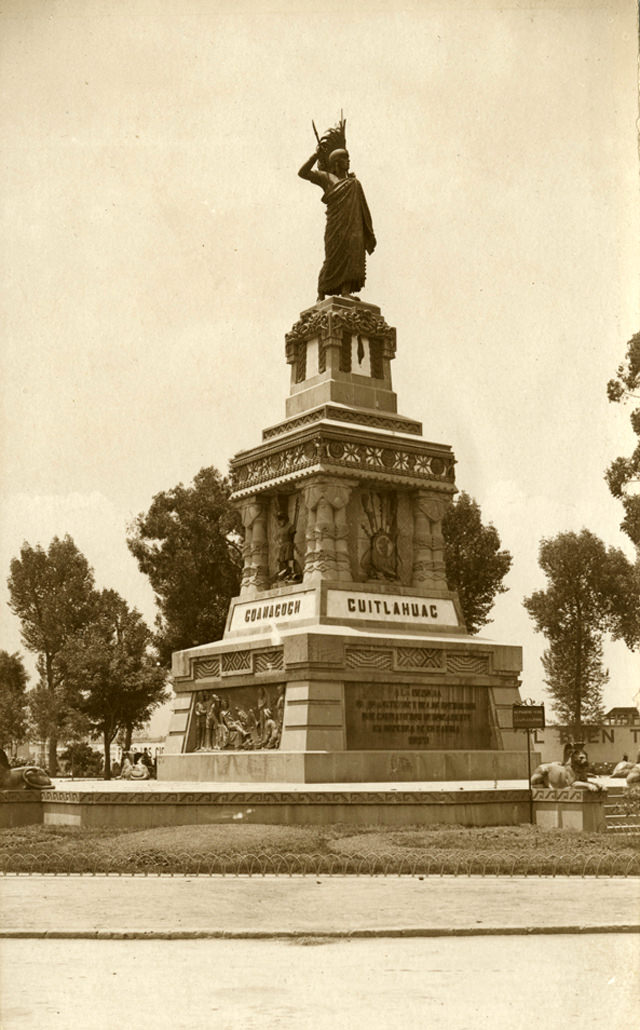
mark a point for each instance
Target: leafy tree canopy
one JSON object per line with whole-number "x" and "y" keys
{"x": 188, "y": 546}
{"x": 475, "y": 564}
{"x": 13, "y": 699}
{"x": 592, "y": 590}
{"x": 51, "y": 592}
{"x": 111, "y": 673}
{"x": 624, "y": 472}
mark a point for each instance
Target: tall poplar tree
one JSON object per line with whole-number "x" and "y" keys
{"x": 52, "y": 593}
{"x": 590, "y": 592}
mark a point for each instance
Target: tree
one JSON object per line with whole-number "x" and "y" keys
{"x": 624, "y": 473}
{"x": 591, "y": 589}
{"x": 13, "y": 700}
{"x": 81, "y": 759}
{"x": 52, "y": 593}
{"x": 560, "y": 662}
{"x": 188, "y": 546}
{"x": 474, "y": 562}
{"x": 111, "y": 673}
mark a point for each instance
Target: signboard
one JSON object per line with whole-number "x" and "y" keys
{"x": 249, "y": 615}
{"x": 408, "y": 716}
{"x": 419, "y": 611}
{"x": 528, "y": 717}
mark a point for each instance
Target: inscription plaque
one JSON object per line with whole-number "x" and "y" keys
{"x": 424, "y": 717}
{"x": 418, "y": 611}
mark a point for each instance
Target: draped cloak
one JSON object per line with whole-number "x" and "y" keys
{"x": 348, "y": 238}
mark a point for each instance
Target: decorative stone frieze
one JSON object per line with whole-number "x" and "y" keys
{"x": 234, "y": 662}
{"x": 462, "y": 664}
{"x": 368, "y": 658}
{"x": 204, "y": 668}
{"x": 324, "y": 450}
{"x": 419, "y": 658}
{"x": 269, "y": 661}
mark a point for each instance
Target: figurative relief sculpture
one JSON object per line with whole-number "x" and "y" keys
{"x": 288, "y": 568}
{"x": 223, "y": 726}
{"x": 380, "y": 560}
{"x": 349, "y": 233}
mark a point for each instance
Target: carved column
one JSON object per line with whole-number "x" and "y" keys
{"x": 339, "y": 498}
{"x": 327, "y": 545}
{"x": 428, "y": 543}
{"x": 255, "y": 571}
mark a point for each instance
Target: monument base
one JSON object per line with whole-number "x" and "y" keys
{"x": 353, "y": 685}
{"x": 366, "y": 767}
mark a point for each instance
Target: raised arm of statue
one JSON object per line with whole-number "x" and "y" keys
{"x": 314, "y": 175}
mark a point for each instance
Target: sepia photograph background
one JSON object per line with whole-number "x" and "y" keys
{"x": 157, "y": 245}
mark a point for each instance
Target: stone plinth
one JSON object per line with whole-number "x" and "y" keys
{"x": 570, "y": 809}
{"x": 20, "y": 808}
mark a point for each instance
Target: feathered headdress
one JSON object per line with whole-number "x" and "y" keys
{"x": 332, "y": 139}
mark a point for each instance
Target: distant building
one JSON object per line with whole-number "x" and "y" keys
{"x": 622, "y": 717}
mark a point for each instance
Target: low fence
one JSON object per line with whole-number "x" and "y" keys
{"x": 66, "y": 862}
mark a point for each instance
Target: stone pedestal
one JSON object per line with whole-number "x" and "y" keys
{"x": 345, "y": 656}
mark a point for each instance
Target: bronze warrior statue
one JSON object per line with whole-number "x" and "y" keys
{"x": 348, "y": 236}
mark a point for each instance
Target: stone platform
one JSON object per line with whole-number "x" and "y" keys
{"x": 333, "y": 767}
{"x": 148, "y": 804}
{"x": 127, "y": 805}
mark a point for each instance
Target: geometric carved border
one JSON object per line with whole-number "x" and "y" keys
{"x": 205, "y": 667}
{"x": 566, "y": 794}
{"x": 235, "y": 661}
{"x": 301, "y": 797}
{"x": 368, "y": 658}
{"x": 10, "y": 797}
{"x": 466, "y": 664}
{"x": 419, "y": 658}
{"x": 269, "y": 661}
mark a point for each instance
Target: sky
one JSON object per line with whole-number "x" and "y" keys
{"x": 157, "y": 244}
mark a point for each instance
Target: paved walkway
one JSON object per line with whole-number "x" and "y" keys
{"x": 272, "y": 907}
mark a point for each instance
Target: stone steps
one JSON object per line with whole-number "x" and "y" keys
{"x": 618, "y": 818}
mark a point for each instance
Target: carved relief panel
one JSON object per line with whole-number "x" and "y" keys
{"x": 382, "y": 534}
{"x": 237, "y": 719}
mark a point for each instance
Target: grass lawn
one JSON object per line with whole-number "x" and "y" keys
{"x": 318, "y": 849}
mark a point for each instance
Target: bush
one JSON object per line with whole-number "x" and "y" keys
{"x": 82, "y": 760}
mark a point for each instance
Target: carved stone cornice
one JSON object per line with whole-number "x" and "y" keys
{"x": 373, "y": 420}
{"x": 331, "y": 324}
{"x": 322, "y": 450}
